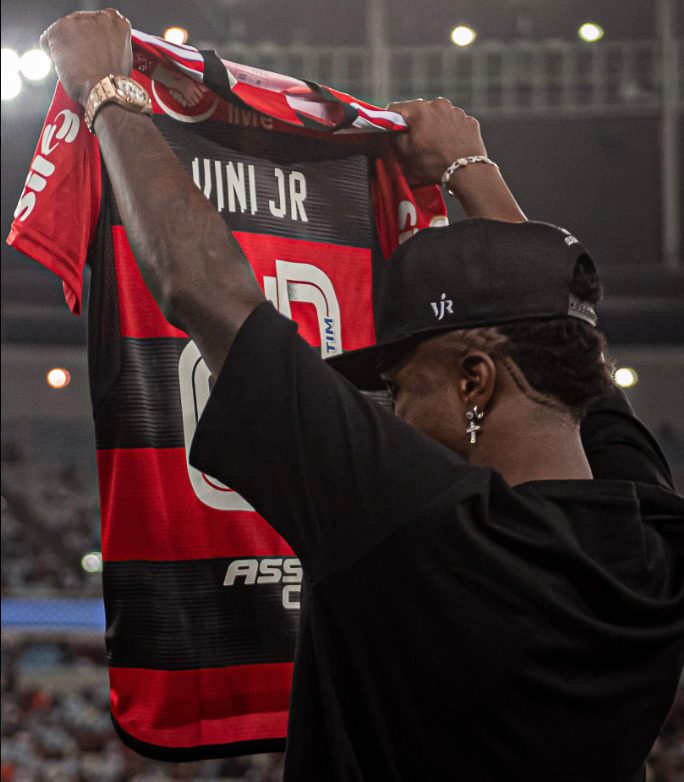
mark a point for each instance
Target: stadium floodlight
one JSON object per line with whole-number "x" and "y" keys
{"x": 177, "y": 35}
{"x": 463, "y": 35}
{"x": 11, "y": 80}
{"x": 11, "y": 85}
{"x": 626, "y": 377}
{"x": 58, "y": 378}
{"x": 591, "y": 32}
{"x": 34, "y": 65}
{"x": 10, "y": 61}
{"x": 92, "y": 562}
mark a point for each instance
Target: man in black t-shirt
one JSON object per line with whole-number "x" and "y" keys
{"x": 494, "y": 591}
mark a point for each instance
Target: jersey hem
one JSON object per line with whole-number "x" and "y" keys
{"x": 202, "y": 752}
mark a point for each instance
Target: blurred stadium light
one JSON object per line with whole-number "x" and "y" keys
{"x": 92, "y": 562}
{"x": 11, "y": 80}
{"x": 178, "y": 35}
{"x": 590, "y": 32}
{"x": 463, "y": 35}
{"x": 34, "y": 65}
{"x": 58, "y": 378}
{"x": 626, "y": 377}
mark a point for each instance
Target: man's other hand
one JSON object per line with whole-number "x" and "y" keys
{"x": 86, "y": 46}
{"x": 438, "y": 133}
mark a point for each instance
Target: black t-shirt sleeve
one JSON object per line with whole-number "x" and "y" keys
{"x": 620, "y": 447}
{"x": 330, "y": 470}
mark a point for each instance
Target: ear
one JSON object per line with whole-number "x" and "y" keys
{"x": 477, "y": 379}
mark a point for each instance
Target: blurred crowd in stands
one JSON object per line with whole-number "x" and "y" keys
{"x": 70, "y": 740}
{"x": 50, "y": 519}
{"x": 55, "y": 719}
{"x": 56, "y": 725}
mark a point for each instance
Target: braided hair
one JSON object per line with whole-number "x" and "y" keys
{"x": 563, "y": 358}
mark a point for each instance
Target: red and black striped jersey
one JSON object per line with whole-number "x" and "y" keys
{"x": 201, "y": 594}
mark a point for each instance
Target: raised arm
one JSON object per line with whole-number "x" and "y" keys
{"x": 191, "y": 263}
{"x": 619, "y": 447}
{"x": 439, "y": 134}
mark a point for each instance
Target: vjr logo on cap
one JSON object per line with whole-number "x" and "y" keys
{"x": 442, "y": 307}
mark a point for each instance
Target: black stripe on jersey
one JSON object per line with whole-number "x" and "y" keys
{"x": 143, "y": 409}
{"x": 290, "y": 148}
{"x": 180, "y": 616}
{"x": 320, "y": 197}
{"x": 215, "y": 75}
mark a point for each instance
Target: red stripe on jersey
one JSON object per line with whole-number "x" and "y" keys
{"x": 347, "y": 268}
{"x": 190, "y": 708}
{"x": 139, "y": 313}
{"x": 150, "y": 511}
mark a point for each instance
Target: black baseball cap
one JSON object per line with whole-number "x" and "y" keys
{"x": 476, "y": 272}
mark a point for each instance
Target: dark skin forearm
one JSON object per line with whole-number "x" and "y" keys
{"x": 190, "y": 261}
{"x": 482, "y": 192}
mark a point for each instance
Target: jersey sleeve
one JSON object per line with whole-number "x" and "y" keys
{"x": 330, "y": 470}
{"x": 402, "y": 210}
{"x": 620, "y": 447}
{"x": 58, "y": 209}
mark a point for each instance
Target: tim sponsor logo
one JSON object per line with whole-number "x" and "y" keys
{"x": 304, "y": 282}
{"x": 270, "y": 570}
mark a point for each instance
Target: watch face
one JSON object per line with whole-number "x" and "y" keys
{"x": 131, "y": 91}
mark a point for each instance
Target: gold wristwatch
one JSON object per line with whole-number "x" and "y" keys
{"x": 123, "y": 91}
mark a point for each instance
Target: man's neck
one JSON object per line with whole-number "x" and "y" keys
{"x": 533, "y": 448}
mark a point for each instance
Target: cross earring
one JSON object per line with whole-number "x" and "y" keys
{"x": 473, "y": 416}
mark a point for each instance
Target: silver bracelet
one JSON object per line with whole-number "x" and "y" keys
{"x": 460, "y": 163}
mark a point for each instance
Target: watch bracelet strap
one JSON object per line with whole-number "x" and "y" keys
{"x": 461, "y": 162}
{"x": 92, "y": 108}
